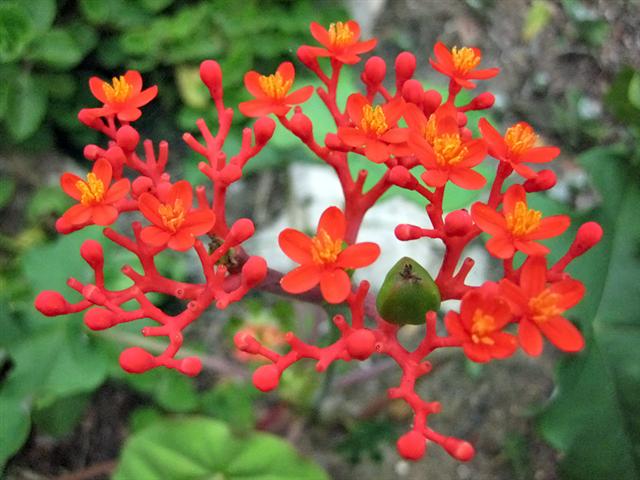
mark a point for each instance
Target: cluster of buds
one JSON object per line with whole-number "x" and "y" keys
{"x": 425, "y": 144}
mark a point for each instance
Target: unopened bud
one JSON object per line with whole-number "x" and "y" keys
{"x": 91, "y": 251}
{"x": 458, "y": 223}
{"x": 266, "y": 377}
{"x": 405, "y": 66}
{"x": 412, "y": 91}
{"x": 91, "y": 152}
{"x": 412, "y": 445}
{"x": 361, "y": 344}
{"x": 211, "y": 76}
{"x": 254, "y": 271}
{"x": 401, "y": 176}
{"x": 190, "y": 366}
{"x": 136, "y": 360}
{"x": 307, "y": 57}
{"x": 544, "y": 180}
{"x": 431, "y": 100}
{"x": 405, "y": 232}
{"x": 141, "y": 185}
{"x": 483, "y": 101}
{"x": 374, "y": 71}
{"x": 88, "y": 118}
{"x": 127, "y": 138}
{"x": 51, "y": 303}
{"x": 240, "y": 231}
{"x": 230, "y": 173}
{"x": 263, "y": 130}
{"x": 459, "y": 449}
{"x": 99, "y": 319}
{"x": 301, "y": 125}
{"x": 588, "y": 235}
{"x": 333, "y": 142}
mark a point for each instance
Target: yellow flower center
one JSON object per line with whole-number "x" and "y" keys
{"x": 449, "y": 149}
{"x": 464, "y": 59}
{"x": 373, "y": 120}
{"x": 325, "y": 249}
{"x": 523, "y": 220}
{"x": 340, "y": 34}
{"x": 545, "y": 306}
{"x": 430, "y": 129}
{"x": 482, "y": 325}
{"x": 520, "y": 138}
{"x": 91, "y": 191}
{"x": 118, "y": 91}
{"x": 172, "y": 215}
{"x": 274, "y": 85}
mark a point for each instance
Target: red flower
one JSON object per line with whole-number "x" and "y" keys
{"x": 122, "y": 97}
{"x": 517, "y": 227}
{"x": 174, "y": 224}
{"x": 460, "y": 64}
{"x": 323, "y": 259}
{"x": 340, "y": 41}
{"x": 375, "y": 128}
{"x": 442, "y": 150}
{"x": 540, "y": 307}
{"x": 96, "y": 195}
{"x": 271, "y": 92}
{"x": 517, "y": 147}
{"x": 479, "y": 325}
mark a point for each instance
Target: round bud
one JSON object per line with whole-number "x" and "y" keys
{"x": 51, "y": 303}
{"x": 307, "y": 57}
{"x": 88, "y": 118}
{"x": 412, "y": 91}
{"x": 190, "y": 366}
{"x": 211, "y": 74}
{"x": 461, "y": 118}
{"x": 230, "y": 173}
{"x": 459, "y": 449}
{"x": 458, "y": 223}
{"x": 483, "y": 101}
{"x": 361, "y": 344}
{"x": 99, "y": 319}
{"x": 241, "y": 230}
{"x": 127, "y": 138}
{"x": 263, "y": 130}
{"x": 332, "y": 141}
{"x": 91, "y": 251}
{"x": 91, "y": 152}
{"x": 136, "y": 360}
{"x": 301, "y": 125}
{"x": 401, "y": 176}
{"x": 588, "y": 235}
{"x": 375, "y": 70}
{"x": 412, "y": 445}
{"x": 405, "y": 232}
{"x": 254, "y": 271}
{"x": 246, "y": 342}
{"x": 544, "y": 180}
{"x": 141, "y": 185}
{"x": 405, "y": 66}
{"x": 266, "y": 377}
{"x": 431, "y": 100}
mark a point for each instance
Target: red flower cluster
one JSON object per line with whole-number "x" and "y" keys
{"x": 424, "y": 145}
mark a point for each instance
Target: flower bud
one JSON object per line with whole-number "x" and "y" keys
{"x": 412, "y": 445}
{"x": 588, "y": 235}
{"x": 88, "y": 118}
{"x": 544, "y": 180}
{"x": 211, "y": 75}
{"x": 91, "y": 251}
{"x": 266, "y": 377}
{"x": 361, "y": 344}
{"x": 127, "y": 138}
{"x": 458, "y": 223}
{"x": 307, "y": 57}
{"x": 374, "y": 71}
{"x": 241, "y": 230}
{"x": 190, "y": 366}
{"x": 263, "y": 130}
{"x": 301, "y": 125}
{"x": 431, "y": 100}
{"x": 141, "y": 185}
{"x": 401, "y": 176}
{"x": 254, "y": 271}
{"x": 51, "y": 303}
{"x": 136, "y": 360}
{"x": 459, "y": 449}
{"x": 230, "y": 173}
{"x": 99, "y": 318}
{"x": 405, "y": 66}
{"x": 91, "y": 152}
{"x": 412, "y": 91}
{"x": 333, "y": 142}
{"x": 483, "y": 101}
{"x": 406, "y": 232}
{"x": 461, "y": 119}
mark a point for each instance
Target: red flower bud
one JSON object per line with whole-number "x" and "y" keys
{"x": 412, "y": 445}
{"x": 241, "y": 230}
{"x": 462, "y": 119}
{"x": 307, "y": 57}
{"x": 361, "y": 344}
{"x": 483, "y": 101}
{"x": 51, "y": 303}
{"x": 333, "y": 142}
{"x": 266, "y": 377}
{"x": 458, "y": 223}
{"x": 136, "y": 360}
{"x": 88, "y": 118}
{"x": 406, "y": 232}
{"x": 263, "y": 130}
{"x": 99, "y": 319}
{"x": 405, "y": 66}
{"x": 374, "y": 71}
{"x": 545, "y": 180}
{"x": 588, "y": 235}
{"x": 91, "y": 251}
{"x": 91, "y": 152}
{"x": 230, "y": 173}
{"x": 412, "y": 91}
{"x": 431, "y": 100}
{"x": 254, "y": 271}
{"x": 141, "y": 185}
{"x": 190, "y": 366}
{"x": 127, "y": 138}
{"x": 401, "y": 176}
{"x": 211, "y": 75}
{"x": 459, "y": 449}
{"x": 301, "y": 125}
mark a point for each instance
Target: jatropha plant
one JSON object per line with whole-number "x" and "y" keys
{"x": 421, "y": 138}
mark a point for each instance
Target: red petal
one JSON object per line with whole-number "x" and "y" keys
{"x": 148, "y": 206}
{"x": 505, "y": 345}
{"x": 301, "y": 279}
{"x": 146, "y": 96}
{"x": 103, "y": 214}
{"x": 488, "y": 220}
{"x": 476, "y": 353}
{"x": 286, "y": 71}
{"x": 484, "y": 74}
{"x": 198, "y": 222}
{"x": 335, "y": 285}
{"x": 358, "y": 255}
{"x": 454, "y": 326}
{"x": 353, "y": 137}
{"x": 299, "y": 96}
{"x": 129, "y": 115}
{"x": 181, "y": 240}
{"x": 154, "y": 236}
{"x": 117, "y": 191}
{"x": 477, "y": 151}
{"x": 333, "y": 222}
{"x": 68, "y": 183}
{"x": 530, "y": 338}
{"x": 530, "y": 247}
{"x": 501, "y": 247}
{"x": 497, "y": 145}
{"x": 182, "y": 191}
{"x": 463, "y": 82}
{"x": 523, "y": 170}
{"x": 355, "y": 104}
{"x": 96, "y": 87}
{"x": 550, "y": 227}
{"x": 518, "y": 301}
{"x": 395, "y": 135}
{"x": 571, "y": 291}
{"x": 415, "y": 118}
{"x": 252, "y": 83}
{"x": 362, "y": 47}
{"x": 514, "y": 194}
{"x": 134, "y": 79}
{"x": 320, "y": 34}
{"x": 259, "y": 107}
{"x": 467, "y": 178}
{"x": 296, "y": 245}
{"x": 77, "y": 215}
{"x": 563, "y": 334}
{"x": 355, "y": 29}
{"x": 103, "y": 170}
{"x": 533, "y": 277}
{"x": 443, "y": 56}
{"x": 435, "y": 178}
{"x": 377, "y": 151}
{"x": 540, "y": 155}
{"x": 393, "y": 110}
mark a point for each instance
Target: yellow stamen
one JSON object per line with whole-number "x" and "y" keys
{"x": 172, "y": 215}
{"x": 373, "y": 120}
{"x": 325, "y": 249}
{"x": 274, "y": 85}
{"x": 520, "y": 137}
{"x": 544, "y": 306}
{"x": 464, "y": 59}
{"x": 430, "y": 129}
{"x": 92, "y": 191}
{"x": 340, "y": 34}
{"x": 481, "y": 326}
{"x": 449, "y": 149}
{"x": 523, "y": 220}
{"x": 118, "y": 91}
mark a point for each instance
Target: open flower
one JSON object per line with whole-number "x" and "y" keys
{"x": 517, "y": 227}
{"x": 122, "y": 97}
{"x": 517, "y": 147}
{"x": 375, "y": 129}
{"x": 479, "y": 326}
{"x": 460, "y": 64}
{"x": 341, "y": 41}
{"x": 443, "y": 152}
{"x": 96, "y": 195}
{"x": 174, "y": 223}
{"x": 540, "y": 308}
{"x": 272, "y": 92}
{"x": 323, "y": 259}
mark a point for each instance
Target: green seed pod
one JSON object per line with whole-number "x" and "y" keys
{"x": 407, "y": 294}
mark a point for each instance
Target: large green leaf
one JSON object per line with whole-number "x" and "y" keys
{"x": 26, "y": 107}
{"x": 14, "y": 426}
{"x": 595, "y": 416}
{"x": 57, "y": 49}
{"x": 16, "y": 31}
{"x": 198, "y": 447}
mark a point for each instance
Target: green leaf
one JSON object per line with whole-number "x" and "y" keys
{"x": 617, "y": 98}
{"x": 57, "y": 49}
{"x": 155, "y": 5}
{"x": 634, "y": 90}
{"x": 15, "y": 31}
{"x": 14, "y": 426}
{"x": 42, "y": 13}
{"x": 203, "y": 448}
{"x": 231, "y": 402}
{"x": 61, "y": 417}
{"x": 595, "y": 416}
{"x": 26, "y": 107}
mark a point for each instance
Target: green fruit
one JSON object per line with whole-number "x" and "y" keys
{"x": 407, "y": 294}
